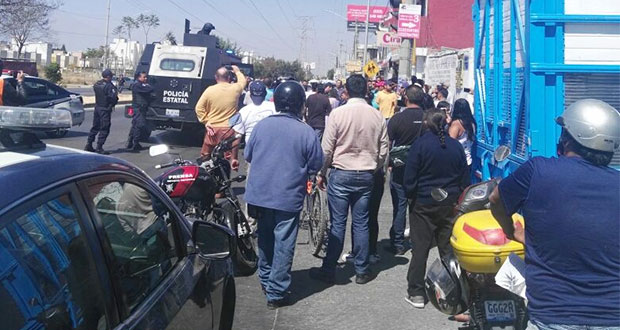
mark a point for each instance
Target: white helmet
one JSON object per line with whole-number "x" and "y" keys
{"x": 594, "y": 124}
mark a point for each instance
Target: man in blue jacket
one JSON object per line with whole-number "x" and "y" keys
{"x": 283, "y": 151}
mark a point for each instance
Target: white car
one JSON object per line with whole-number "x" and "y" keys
{"x": 45, "y": 94}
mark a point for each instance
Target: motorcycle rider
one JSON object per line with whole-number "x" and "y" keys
{"x": 143, "y": 95}
{"x": 572, "y": 222}
{"x": 10, "y": 95}
{"x": 277, "y": 200}
{"x": 106, "y": 97}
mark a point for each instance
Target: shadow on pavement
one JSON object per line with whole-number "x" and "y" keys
{"x": 176, "y": 138}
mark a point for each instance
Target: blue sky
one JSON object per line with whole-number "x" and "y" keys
{"x": 80, "y": 24}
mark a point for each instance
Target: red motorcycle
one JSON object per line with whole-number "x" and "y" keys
{"x": 203, "y": 190}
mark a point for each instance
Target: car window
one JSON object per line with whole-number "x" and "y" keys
{"x": 139, "y": 228}
{"x": 48, "y": 275}
{"x": 173, "y": 64}
{"x": 36, "y": 88}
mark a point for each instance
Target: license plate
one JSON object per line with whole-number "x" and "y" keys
{"x": 500, "y": 310}
{"x": 172, "y": 112}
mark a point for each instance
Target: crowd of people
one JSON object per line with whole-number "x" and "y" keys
{"x": 351, "y": 136}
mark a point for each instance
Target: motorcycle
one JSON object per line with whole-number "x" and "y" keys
{"x": 203, "y": 190}
{"x": 466, "y": 280}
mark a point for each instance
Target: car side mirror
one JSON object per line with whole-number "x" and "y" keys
{"x": 212, "y": 241}
{"x": 159, "y": 149}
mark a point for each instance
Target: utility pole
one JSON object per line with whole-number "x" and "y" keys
{"x": 355, "y": 42}
{"x": 404, "y": 62}
{"x": 303, "y": 37}
{"x": 106, "y": 52}
{"x": 367, "y": 22}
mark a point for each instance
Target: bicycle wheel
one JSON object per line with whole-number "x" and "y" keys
{"x": 318, "y": 221}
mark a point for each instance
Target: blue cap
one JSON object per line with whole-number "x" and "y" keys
{"x": 258, "y": 91}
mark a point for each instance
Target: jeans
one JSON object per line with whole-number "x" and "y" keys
{"x": 348, "y": 189}
{"x": 376, "y": 194}
{"x": 102, "y": 119}
{"x": 428, "y": 222}
{"x": 277, "y": 234}
{"x": 399, "y": 219}
{"x": 535, "y": 325}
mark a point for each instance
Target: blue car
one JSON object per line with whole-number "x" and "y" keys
{"x": 90, "y": 242}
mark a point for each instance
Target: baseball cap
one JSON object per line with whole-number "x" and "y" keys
{"x": 258, "y": 91}
{"x": 106, "y": 73}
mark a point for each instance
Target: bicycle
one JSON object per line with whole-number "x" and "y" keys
{"x": 315, "y": 217}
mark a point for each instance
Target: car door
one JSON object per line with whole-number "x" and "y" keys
{"x": 158, "y": 284}
{"x": 52, "y": 276}
{"x": 38, "y": 91}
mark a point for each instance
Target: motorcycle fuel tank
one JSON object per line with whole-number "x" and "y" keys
{"x": 479, "y": 242}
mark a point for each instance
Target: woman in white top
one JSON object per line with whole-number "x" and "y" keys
{"x": 463, "y": 127}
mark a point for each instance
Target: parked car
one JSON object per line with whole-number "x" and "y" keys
{"x": 45, "y": 94}
{"x": 91, "y": 242}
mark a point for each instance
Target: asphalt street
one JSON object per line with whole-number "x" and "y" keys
{"x": 379, "y": 304}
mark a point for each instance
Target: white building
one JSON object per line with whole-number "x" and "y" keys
{"x": 125, "y": 54}
{"x": 42, "y": 48}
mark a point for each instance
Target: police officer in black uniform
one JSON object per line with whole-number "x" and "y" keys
{"x": 106, "y": 97}
{"x": 143, "y": 95}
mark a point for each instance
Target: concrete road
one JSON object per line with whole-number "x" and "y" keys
{"x": 379, "y": 304}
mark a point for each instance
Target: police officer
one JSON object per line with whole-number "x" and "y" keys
{"x": 572, "y": 222}
{"x": 106, "y": 97}
{"x": 10, "y": 95}
{"x": 143, "y": 95}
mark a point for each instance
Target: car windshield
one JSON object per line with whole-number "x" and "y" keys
{"x": 173, "y": 64}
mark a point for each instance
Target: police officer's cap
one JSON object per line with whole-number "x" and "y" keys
{"x": 107, "y": 73}
{"x": 289, "y": 96}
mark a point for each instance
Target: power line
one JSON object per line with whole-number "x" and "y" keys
{"x": 269, "y": 24}
{"x": 285, "y": 15}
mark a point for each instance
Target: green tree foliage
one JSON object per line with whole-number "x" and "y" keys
{"x": 330, "y": 74}
{"x": 127, "y": 25}
{"x": 227, "y": 44}
{"x": 52, "y": 72}
{"x": 94, "y": 52}
{"x": 273, "y": 68}
{"x": 170, "y": 37}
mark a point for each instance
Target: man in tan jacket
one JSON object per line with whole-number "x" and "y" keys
{"x": 215, "y": 107}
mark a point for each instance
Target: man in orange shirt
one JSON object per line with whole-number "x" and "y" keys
{"x": 216, "y": 106}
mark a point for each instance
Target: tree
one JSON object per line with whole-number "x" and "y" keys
{"x": 330, "y": 74}
{"x": 94, "y": 52}
{"x": 170, "y": 38}
{"x": 273, "y": 68}
{"x": 147, "y": 22}
{"x": 227, "y": 44}
{"x": 126, "y": 26}
{"x": 25, "y": 19}
{"x": 52, "y": 72}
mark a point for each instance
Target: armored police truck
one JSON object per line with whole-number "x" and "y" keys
{"x": 179, "y": 74}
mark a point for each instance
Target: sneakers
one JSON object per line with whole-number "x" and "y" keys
{"x": 374, "y": 258}
{"x": 416, "y": 301}
{"x": 397, "y": 251}
{"x": 275, "y": 304}
{"x": 319, "y": 275}
{"x": 346, "y": 258}
{"x": 363, "y": 278}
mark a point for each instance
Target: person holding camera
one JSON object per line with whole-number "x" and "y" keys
{"x": 10, "y": 95}
{"x": 217, "y": 105}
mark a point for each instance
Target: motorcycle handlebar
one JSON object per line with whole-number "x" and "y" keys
{"x": 160, "y": 166}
